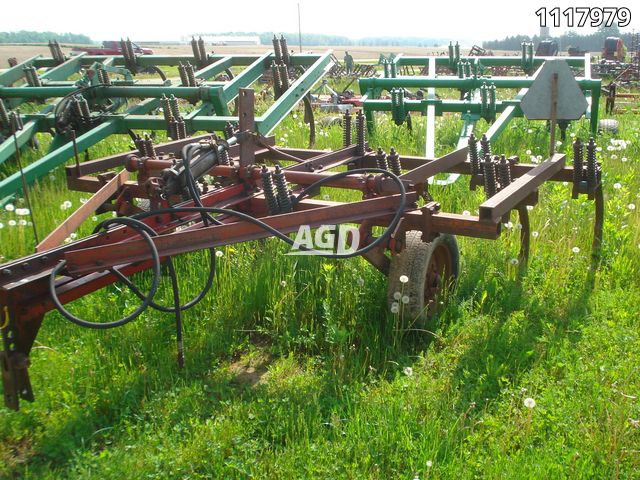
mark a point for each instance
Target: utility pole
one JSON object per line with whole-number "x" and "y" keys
{"x": 299, "y": 29}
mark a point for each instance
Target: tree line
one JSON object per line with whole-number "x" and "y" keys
{"x": 592, "y": 42}
{"x": 24, "y": 36}
{"x": 340, "y": 40}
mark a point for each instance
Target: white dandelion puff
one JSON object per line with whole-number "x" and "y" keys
{"x": 535, "y": 234}
{"x": 408, "y": 371}
{"x": 575, "y": 249}
{"x": 219, "y": 253}
{"x": 466, "y": 212}
{"x": 9, "y": 207}
{"x": 514, "y": 261}
{"x": 404, "y": 279}
{"x": 22, "y": 223}
{"x": 631, "y": 206}
{"x": 617, "y": 185}
{"x": 283, "y": 283}
{"x": 397, "y": 295}
{"x": 405, "y": 299}
{"x": 529, "y": 402}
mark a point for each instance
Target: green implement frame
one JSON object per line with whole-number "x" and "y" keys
{"x": 476, "y": 86}
{"x": 212, "y": 100}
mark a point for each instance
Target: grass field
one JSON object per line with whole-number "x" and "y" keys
{"x": 295, "y": 367}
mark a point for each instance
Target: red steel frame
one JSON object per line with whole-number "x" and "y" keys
{"x": 24, "y": 289}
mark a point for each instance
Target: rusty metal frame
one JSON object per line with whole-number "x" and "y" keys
{"x": 24, "y": 291}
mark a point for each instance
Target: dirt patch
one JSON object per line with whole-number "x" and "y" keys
{"x": 250, "y": 372}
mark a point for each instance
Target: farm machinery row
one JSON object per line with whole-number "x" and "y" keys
{"x": 208, "y": 190}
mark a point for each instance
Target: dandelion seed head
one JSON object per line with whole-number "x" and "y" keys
{"x": 404, "y": 279}
{"x": 530, "y": 131}
{"x": 529, "y": 402}
{"x": 623, "y": 159}
{"x": 360, "y": 281}
{"x": 429, "y": 464}
{"x": 405, "y": 299}
{"x": 94, "y": 218}
{"x": 219, "y": 253}
{"x": 631, "y": 206}
{"x": 397, "y": 295}
{"x": 514, "y": 261}
{"x": 535, "y": 234}
{"x": 9, "y": 207}
{"x": 408, "y": 371}
{"x": 395, "y": 309}
{"x": 22, "y": 211}
{"x": 22, "y": 223}
{"x": 283, "y": 283}
{"x": 617, "y": 185}
{"x": 528, "y": 152}
{"x": 12, "y": 223}
{"x": 466, "y": 212}
{"x": 614, "y": 157}
{"x": 575, "y": 249}
{"x": 529, "y": 207}
{"x": 73, "y": 236}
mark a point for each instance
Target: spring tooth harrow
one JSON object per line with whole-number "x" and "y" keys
{"x": 207, "y": 191}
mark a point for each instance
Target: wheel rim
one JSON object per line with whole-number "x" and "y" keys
{"x": 439, "y": 272}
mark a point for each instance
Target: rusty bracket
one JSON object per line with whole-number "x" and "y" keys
{"x": 428, "y": 211}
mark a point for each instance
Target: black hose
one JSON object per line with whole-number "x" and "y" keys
{"x": 142, "y": 230}
{"x": 147, "y": 233}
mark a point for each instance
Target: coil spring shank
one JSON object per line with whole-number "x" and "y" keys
{"x": 474, "y": 158}
{"x": 381, "y": 159}
{"x": 229, "y": 130}
{"x": 485, "y": 146}
{"x": 4, "y": 115}
{"x": 346, "y": 130}
{"x": 360, "y": 134}
{"x": 277, "y": 49}
{"x": 269, "y": 192}
{"x": 284, "y": 200}
{"x": 593, "y": 168}
{"x": 394, "y": 162}
{"x": 490, "y": 180}
{"x": 223, "y": 157}
{"x": 504, "y": 172}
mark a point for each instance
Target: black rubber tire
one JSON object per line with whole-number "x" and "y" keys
{"x": 414, "y": 262}
{"x": 608, "y": 125}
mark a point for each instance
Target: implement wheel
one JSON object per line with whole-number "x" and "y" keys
{"x": 430, "y": 268}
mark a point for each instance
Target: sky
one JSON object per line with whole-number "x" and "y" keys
{"x": 142, "y": 20}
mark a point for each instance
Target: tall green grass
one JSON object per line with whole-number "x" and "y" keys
{"x": 296, "y": 368}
